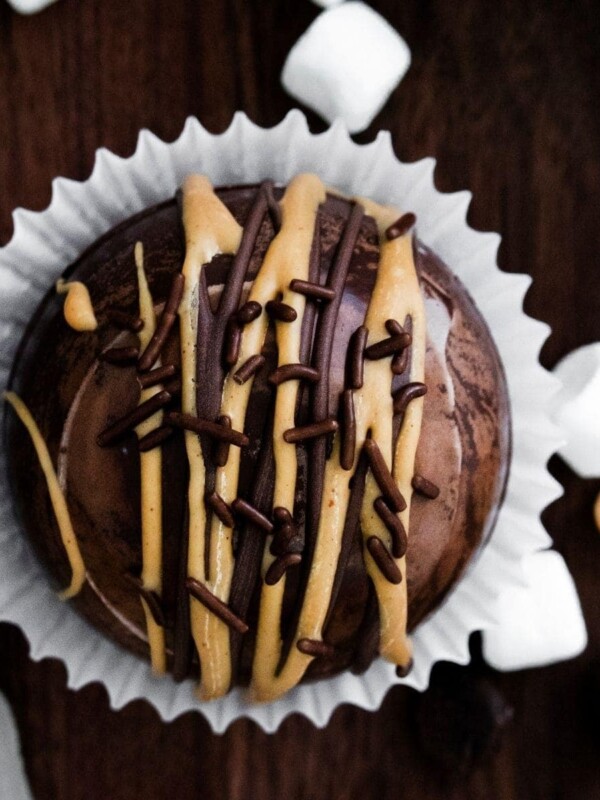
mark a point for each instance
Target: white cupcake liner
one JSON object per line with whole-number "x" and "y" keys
{"x": 45, "y": 243}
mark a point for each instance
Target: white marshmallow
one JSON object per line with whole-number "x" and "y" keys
{"x": 327, "y": 3}
{"x": 13, "y": 783}
{"x": 346, "y": 64}
{"x": 539, "y": 624}
{"x": 577, "y": 409}
{"x": 30, "y": 6}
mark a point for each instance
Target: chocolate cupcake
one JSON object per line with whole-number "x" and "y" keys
{"x": 365, "y": 387}
{"x": 283, "y": 430}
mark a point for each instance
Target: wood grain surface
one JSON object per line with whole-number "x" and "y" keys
{"x": 506, "y": 96}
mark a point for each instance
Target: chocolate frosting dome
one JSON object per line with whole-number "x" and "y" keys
{"x": 281, "y": 427}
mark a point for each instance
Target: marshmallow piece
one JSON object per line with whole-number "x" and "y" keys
{"x": 539, "y": 624}
{"x": 30, "y": 6}
{"x": 13, "y": 783}
{"x": 327, "y": 3}
{"x": 577, "y": 409}
{"x": 346, "y": 64}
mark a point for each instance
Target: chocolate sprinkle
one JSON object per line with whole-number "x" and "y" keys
{"x": 278, "y": 568}
{"x": 381, "y": 556}
{"x": 282, "y": 515}
{"x": 311, "y": 431}
{"x": 221, "y": 452}
{"x": 393, "y": 327}
{"x": 139, "y": 414}
{"x": 348, "y": 428}
{"x": 125, "y": 321}
{"x": 402, "y": 225}
{"x": 242, "y": 507}
{"x": 249, "y": 312}
{"x": 356, "y": 353}
{"x": 218, "y": 431}
{"x": 221, "y": 509}
{"x": 291, "y": 372}
{"x": 394, "y": 526}
{"x": 233, "y": 341}
{"x": 120, "y": 356}
{"x": 313, "y": 290}
{"x": 218, "y": 607}
{"x": 407, "y": 393}
{"x": 400, "y": 362}
{"x": 315, "y": 648}
{"x": 383, "y": 476}
{"x": 281, "y": 311}
{"x": 154, "y": 438}
{"x": 388, "y": 347}
{"x": 173, "y": 387}
{"x": 403, "y": 671}
{"x": 425, "y": 487}
{"x": 154, "y": 604}
{"x": 286, "y": 538}
{"x": 158, "y": 375}
{"x": 166, "y": 322}
{"x": 249, "y": 368}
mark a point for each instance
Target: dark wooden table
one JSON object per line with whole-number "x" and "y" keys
{"x": 506, "y": 96}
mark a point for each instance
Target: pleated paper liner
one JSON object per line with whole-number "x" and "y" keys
{"x": 45, "y": 243}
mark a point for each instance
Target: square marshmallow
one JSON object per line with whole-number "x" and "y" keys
{"x": 577, "y": 409}
{"x": 539, "y": 624}
{"x": 30, "y": 6}
{"x": 346, "y": 64}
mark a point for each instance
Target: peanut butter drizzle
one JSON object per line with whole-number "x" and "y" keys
{"x": 151, "y": 482}
{"x": 374, "y": 413}
{"x": 210, "y": 229}
{"x": 78, "y": 309}
{"x": 57, "y": 498}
